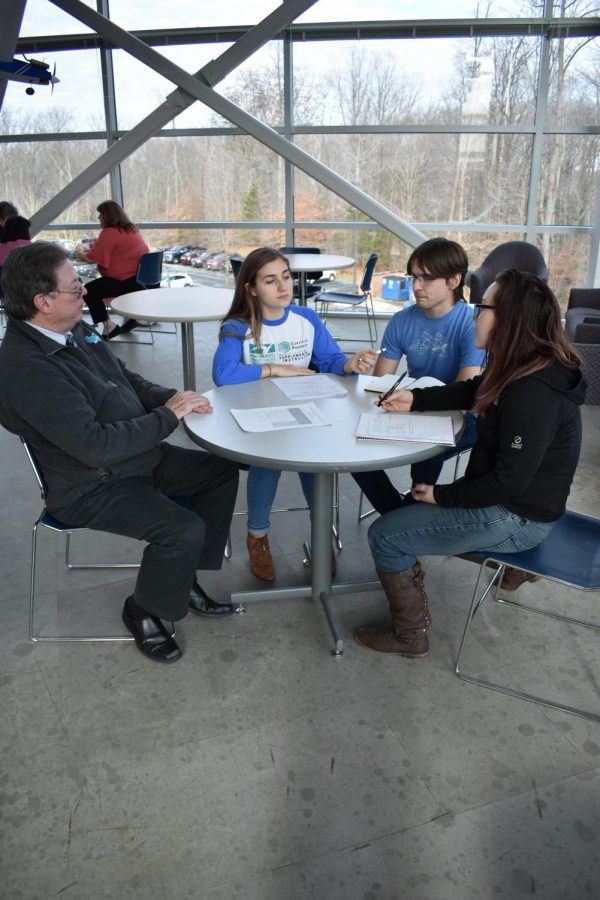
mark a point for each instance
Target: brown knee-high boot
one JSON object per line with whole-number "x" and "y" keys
{"x": 410, "y": 616}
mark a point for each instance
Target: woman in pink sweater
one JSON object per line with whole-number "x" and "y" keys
{"x": 117, "y": 253}
{"x": 14, "y": 234}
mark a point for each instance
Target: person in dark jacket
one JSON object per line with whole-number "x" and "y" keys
{"x": 520, "y": 472}
{"x": 97, "y": 431}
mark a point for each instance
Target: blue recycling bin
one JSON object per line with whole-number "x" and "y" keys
{"x": 396, "y": 287}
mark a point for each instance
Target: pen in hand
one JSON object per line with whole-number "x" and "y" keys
{"x": 392, "y": 389}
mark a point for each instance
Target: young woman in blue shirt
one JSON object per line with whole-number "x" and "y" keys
{"x": 264, "y": 335}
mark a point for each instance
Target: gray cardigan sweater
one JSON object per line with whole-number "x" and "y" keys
{"x": 86, "y": 416}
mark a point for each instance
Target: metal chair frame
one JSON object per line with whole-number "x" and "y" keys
{"x": 48, "y": 521}
{"x": 352, "y": 300}
{"x": 566, "y": 533}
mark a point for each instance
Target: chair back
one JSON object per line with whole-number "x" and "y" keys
{"x": 589, "y": 298}
{"x": 314, "y": 276}
{"x": 34, "y": 465}
{"x": 236, "y": 265}
{"x": 519, "y": 255}
{"x": 150, "y": 269}
{"x": 365, "y": 282}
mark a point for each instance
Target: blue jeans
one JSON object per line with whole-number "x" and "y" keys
{"x": 381, "y": 493}
{"x": 261, "y": 488}
{"x": 423, "y": 529}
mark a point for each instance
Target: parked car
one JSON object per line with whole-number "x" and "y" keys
{"x": 188, "y": 256}
{"x": 217, "y": 262}
{"x": 175, "y": 253}
{"x": 199, "y": 261}
{"x": 87, "y": 271}
{"x": 328, "y": 275}
{"x": 177, "y": 280}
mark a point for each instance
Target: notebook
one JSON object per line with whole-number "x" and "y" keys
{"x": 380, "y": 426}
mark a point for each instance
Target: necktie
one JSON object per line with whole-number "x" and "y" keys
{"x": 70, "y": 340}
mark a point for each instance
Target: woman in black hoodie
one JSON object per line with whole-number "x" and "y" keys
{"x": 520, "y": 472}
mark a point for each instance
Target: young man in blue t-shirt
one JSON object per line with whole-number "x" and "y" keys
{"x": 437, "y": 336}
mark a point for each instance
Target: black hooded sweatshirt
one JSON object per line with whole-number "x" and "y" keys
{"x": 527, "y": 447}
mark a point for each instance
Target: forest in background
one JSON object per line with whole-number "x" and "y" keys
{"x": 424, "y": 177}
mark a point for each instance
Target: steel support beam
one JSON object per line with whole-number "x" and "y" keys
{"x": 176, "y": 103}
{"x": 110, "y": 106}
{"x": 253, "y": 127}
{"x": 541, "y": 104}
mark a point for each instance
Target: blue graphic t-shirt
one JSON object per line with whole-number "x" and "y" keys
{"x": 299, "y": 338}
{"x": 435, "y": 347}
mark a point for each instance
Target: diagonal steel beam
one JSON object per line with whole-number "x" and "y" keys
{"x": 178, "y": 101}
{"x": 252, "y": 126}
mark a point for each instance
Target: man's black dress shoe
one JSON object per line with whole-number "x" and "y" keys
{"x": 152, "y": 638}
{"x": 202, "y": 605}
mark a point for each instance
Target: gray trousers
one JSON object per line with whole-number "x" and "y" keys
{"x": 180, "y": 539}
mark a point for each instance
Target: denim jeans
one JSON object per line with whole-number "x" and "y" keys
{"x": 261, "y": 488}
{"x": 398, "y": 538}
{"x": 381, "y": 493}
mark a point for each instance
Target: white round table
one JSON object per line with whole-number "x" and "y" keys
{"x": 320, "y": 450}
{"x": 201, "y": 303}
{"x": 302, "y": 263}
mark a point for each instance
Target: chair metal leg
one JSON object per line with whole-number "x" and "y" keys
{"x": 71, "y": 565}
{"x": 38, "y": 638}
{"x": 505, "y": 689}
{"x": 363, "y": 515}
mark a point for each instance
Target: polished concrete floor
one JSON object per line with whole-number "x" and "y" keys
{"x": 259, "y": 766}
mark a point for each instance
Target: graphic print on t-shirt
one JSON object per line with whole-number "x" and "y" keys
{"x": 432, "y": 344}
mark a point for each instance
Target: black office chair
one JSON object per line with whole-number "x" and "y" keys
{"x": 519, "y": 255}
{"x": 352, "y": 299}
{"x": 236, "y": 265}
{"x": 584, "y": 304}
{"x": 311, "y": 288}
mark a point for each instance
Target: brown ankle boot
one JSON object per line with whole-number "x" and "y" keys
{"x": 512, "y": 578}
{"x": 261, "y": 561}
{"x": 410, "y": 616}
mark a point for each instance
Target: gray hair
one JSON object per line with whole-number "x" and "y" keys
{"x": 28, "y": 271}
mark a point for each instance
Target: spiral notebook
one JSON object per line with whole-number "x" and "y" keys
{"x": 381, "y": 426}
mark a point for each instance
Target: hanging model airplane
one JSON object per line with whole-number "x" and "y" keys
{"x": 31, "y": 71}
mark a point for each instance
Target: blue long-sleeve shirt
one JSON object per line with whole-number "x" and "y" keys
{"x": 299, "y": 338}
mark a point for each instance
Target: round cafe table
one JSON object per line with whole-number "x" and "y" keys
{"x": 303, "y": 263}
{"x": 321, "y": 450}
{"x": 201, "y": 303}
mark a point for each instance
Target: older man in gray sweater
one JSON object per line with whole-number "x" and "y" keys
{"x": 97, "y": 431}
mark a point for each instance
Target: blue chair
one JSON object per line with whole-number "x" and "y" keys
{"x": 351, "y": 300}
{"x": 48, "y": 521}
{"x": 148, "y": 276}
{"x": 570, "y": 555}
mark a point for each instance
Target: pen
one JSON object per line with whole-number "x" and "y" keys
{"x": 392, "y": 389}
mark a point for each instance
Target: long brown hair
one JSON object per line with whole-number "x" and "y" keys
{"x": 527, "y": 335}
{"x": 245, "y": 307}
{"x": 114, "y": 216}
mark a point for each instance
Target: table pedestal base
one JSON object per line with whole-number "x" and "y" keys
{"x": 189, "y": 356}
{"x": 320, "y": 588}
